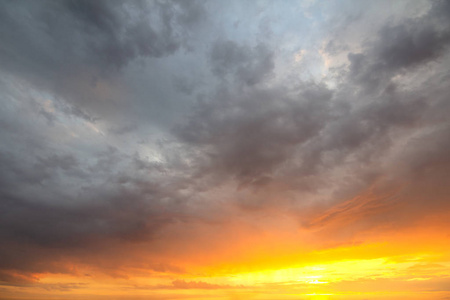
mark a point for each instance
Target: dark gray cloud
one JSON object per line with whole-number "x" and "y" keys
{"x": 49, "y": 217}
{"x": 59, "y": 35}
{"x": 250, "y": 135}
{"x": 304, "y": 135}
{"x": 77, "y": 50}
{"x": 398, "y": 47}
{"x": 242, "y": 63}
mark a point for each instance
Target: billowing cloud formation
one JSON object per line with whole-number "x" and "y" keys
{"x": 151, "y": 135}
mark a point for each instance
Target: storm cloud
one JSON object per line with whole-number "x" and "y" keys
{"x": 128, "y": 125}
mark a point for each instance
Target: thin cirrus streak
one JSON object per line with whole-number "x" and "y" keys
{"x": 211, "y": 150}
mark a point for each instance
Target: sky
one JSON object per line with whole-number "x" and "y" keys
{"x": 224, "y": 150}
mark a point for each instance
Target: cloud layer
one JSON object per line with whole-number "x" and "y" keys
{"x": 136, "y": 134}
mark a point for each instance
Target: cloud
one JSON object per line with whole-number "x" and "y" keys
{"x": 398, "y": 47}
{"x": 134, "y": 132}
{"x": 251, "y": 134}
{"x": 80, "y": 51}
{"x": 103, "y": 34}
{"x": 242, "y": 63}
{"x": 306, "y": 134}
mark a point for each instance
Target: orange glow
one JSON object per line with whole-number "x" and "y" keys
{"x": 413, "y": 264}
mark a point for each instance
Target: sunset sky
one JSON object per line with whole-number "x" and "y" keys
{"x": 225, "y": 150}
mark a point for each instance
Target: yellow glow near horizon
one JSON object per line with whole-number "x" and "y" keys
{"x": 319, "y": 274}
{"x": 403, "y": 268}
